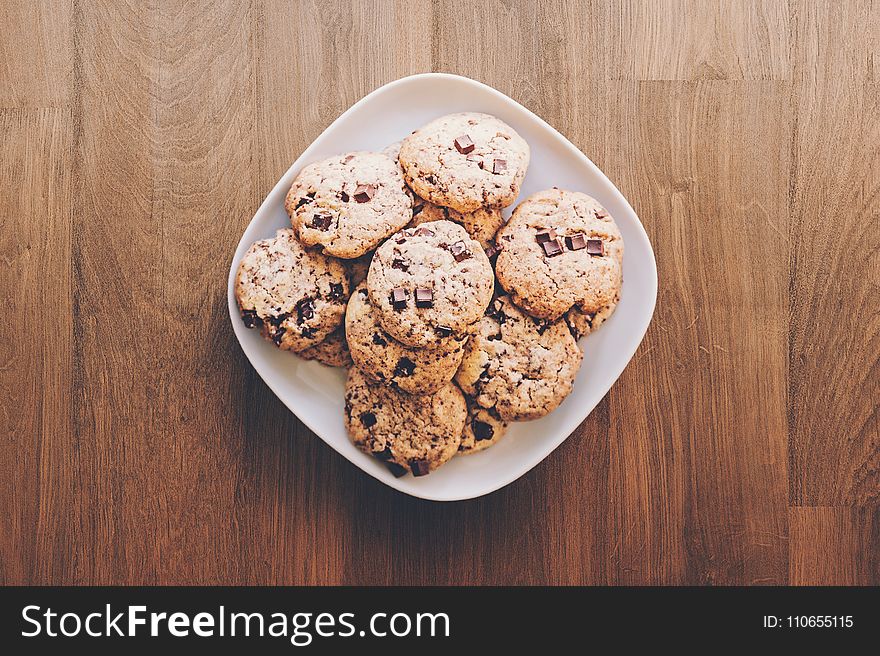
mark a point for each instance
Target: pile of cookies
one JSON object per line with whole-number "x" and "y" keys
{"x": 452, "y": 322}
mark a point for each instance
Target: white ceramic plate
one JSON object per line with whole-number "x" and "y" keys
{"x": 315, "y": 393}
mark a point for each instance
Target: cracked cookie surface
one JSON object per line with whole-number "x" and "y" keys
{"x": 349, "y": 203}
{"x": 295, "y": 296}
{"x": 385, "y": 360}
{"x": 583, "y": 323}
{"x": 429, "y": 283}
{"x": 410, "y": 433}
{"x": 481, "y": 224}
{"x": 465, "y": 161}
{"x": 560, "y": 250}
{"x": 331, "y": 351}
{"x": 517, "y": 365}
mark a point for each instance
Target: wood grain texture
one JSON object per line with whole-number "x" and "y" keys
{"x": 36, "y": 51}
{"x": 835, "y": 272}
{"x": 700, "y": 476}
{"x": 740, "y": 446}
{"x": 834, "y": 546}
{"x": 36, "y": 365}
{"x": 699, "y": 40}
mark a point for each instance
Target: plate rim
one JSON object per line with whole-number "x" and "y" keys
{"x": 641, "y": 234}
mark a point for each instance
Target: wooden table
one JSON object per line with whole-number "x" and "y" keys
{"x": 740, "y": 446}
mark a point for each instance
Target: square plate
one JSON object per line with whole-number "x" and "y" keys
{"x": 315, "y": 393}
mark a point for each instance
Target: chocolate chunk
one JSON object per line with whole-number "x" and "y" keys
{"x": 482, "y": 430}
{"x": 422, "y": 231}
{"x": 417, "y": 208}
{"x": 424, "y": 297}
{"x": 302, "y": 201}
{"x": 496, "y": 311}
{"x": 347, "y": 159}
{"x": 464, "y": 144}
{"x": 499, "y": 166}
{"x": 419, "y": 467}
{"x": 278, "y": 319}
{"x": 396, "y": 469}
{"x": 553, "y": 247}
{"x": 460, "y": 251}
{"x": 321, "y": 220}
{"x": 545, "y": 235}
{"x": 276, "y": 332}
{"x": 368, "y": 419}
{"x": 494, "y": 249}
{"x": 337, "y": 291}
{"x": 601, "y": 214}
{"x": 473, "y": 157}
{"x": 405, "y": 367}
{"x": 387, "y": 457}
{"x": 305, "y": 331}
{"x": 399, "y": 297}
{"x": 343, "y": 196}
{"x": 384, "y": 455}
{"x": 378, "y": 340}
{"x": 507, "y": 238}
{"x": 397, "y": 263}
{"x": 443, "y": 331}
{"x": 250, "y": 318}
{"x": 575, "y": 242}
{"x": 595, "y": 247}
{"x": 305, "y": 309}
{"x": 364, "y": 193}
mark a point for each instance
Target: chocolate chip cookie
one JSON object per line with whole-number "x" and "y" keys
{"x": 332, "y": 351}
{"x": 583, "y": 323}
{"x": 429, "y": 283}
{"x": 409, "y": 433}
{"x": 385, "y": 360}
{"x": 465, "y": 161}
{"x": 519, "y": 366}
{"x": 561, "y": 249}
{"x": 481, "y": 224}
{"x": 482, "y": 429}
{"x": 349, "y": 203}
{"x": 295, "y": 296}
